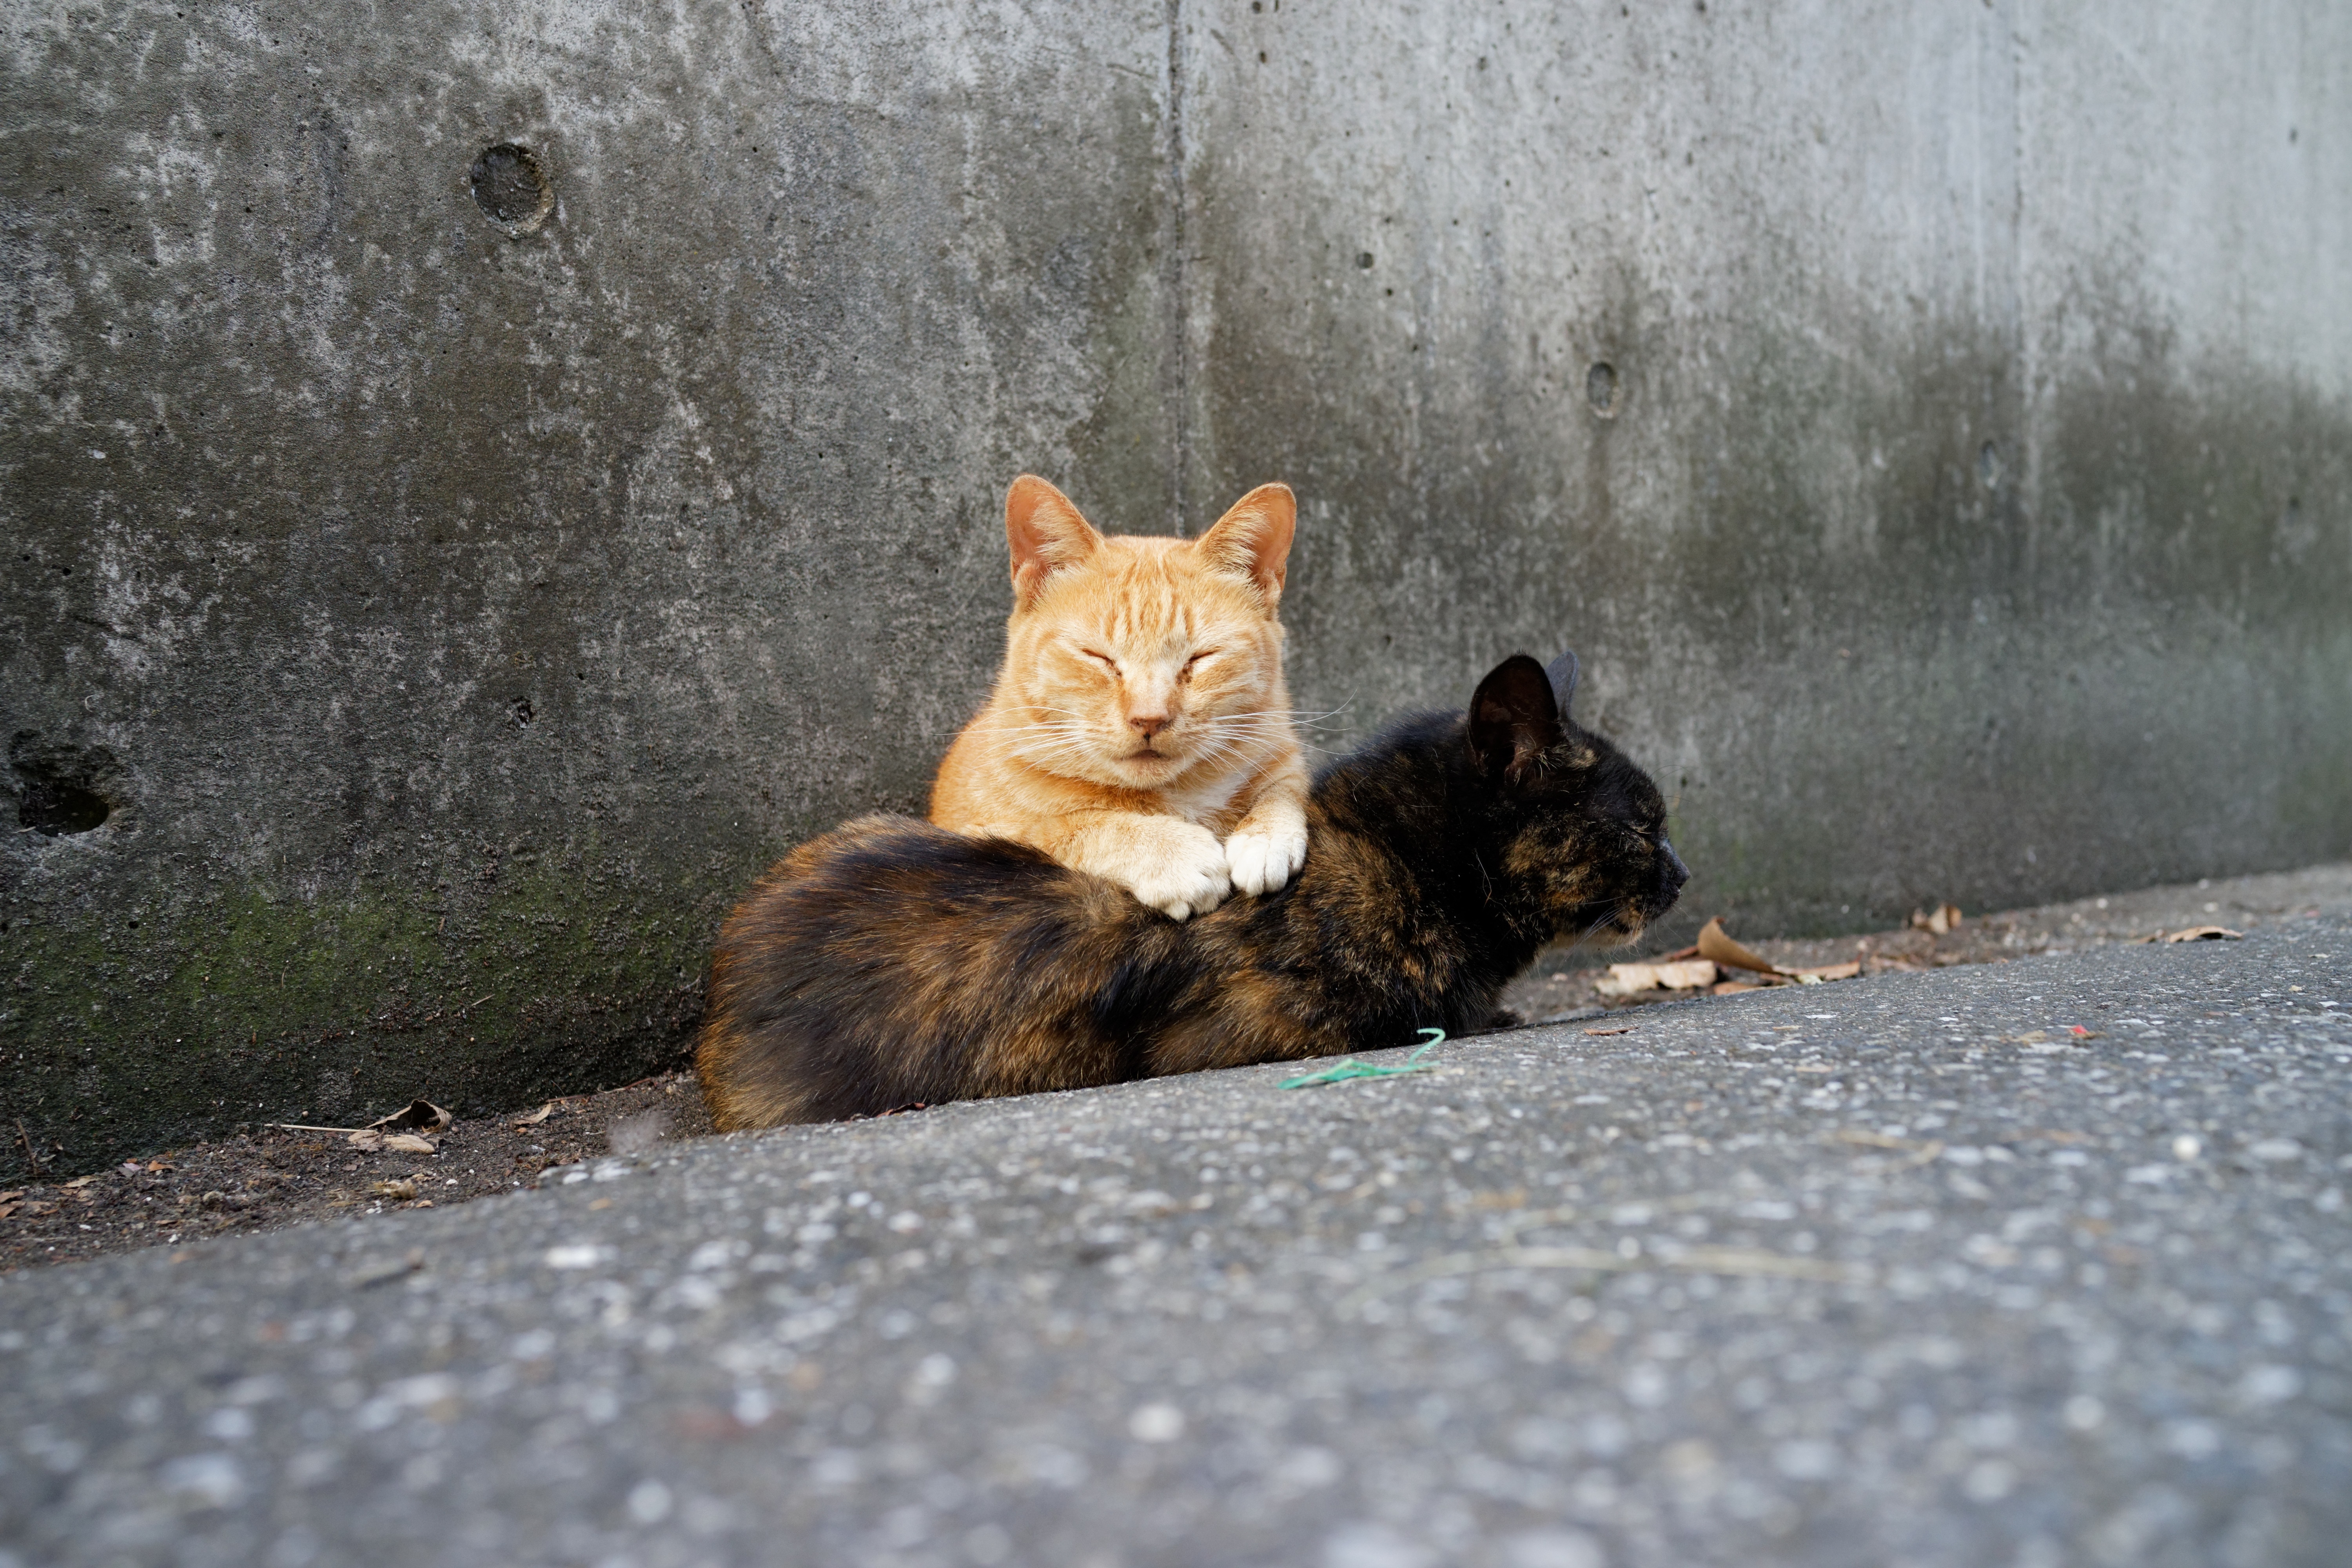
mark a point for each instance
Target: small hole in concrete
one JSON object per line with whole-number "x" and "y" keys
{"x": 520, "y": 711}
{"x": 1364, "y": 260}
{"x": 56, "y": 793}
{"x": 1600, "y": 388}
{"x": 511, "y": 187}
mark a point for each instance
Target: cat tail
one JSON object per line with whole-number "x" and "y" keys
{"x": 892, "y": 963}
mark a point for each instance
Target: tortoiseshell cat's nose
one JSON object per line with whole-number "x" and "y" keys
{"x": 1673, "y": 874}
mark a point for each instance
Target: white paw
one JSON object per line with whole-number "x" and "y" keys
{"x": 1263, "y": 859}
{"x": 1186, "y": 877}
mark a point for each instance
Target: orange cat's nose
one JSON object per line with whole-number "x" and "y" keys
{"x": 1148, "y": 724}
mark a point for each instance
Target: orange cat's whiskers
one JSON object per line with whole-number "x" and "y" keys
{"x": 1234, "y": 741}
{"x": 1227, "y": 741}
{"x": 1073, "y": 757}
{"x": 1059, "y": 731}
{"x": 1069, "y": 726}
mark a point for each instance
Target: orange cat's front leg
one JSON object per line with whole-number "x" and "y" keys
{"x": 1268, "y": 845}
{"x": 1166, "y": 862}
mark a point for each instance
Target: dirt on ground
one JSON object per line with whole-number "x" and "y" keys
{"x": 278, "y": 1176}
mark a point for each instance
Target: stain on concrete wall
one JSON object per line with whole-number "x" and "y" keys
{"x": 453, "y": 608}
{"x": 478, "y": 486}
{"x": 1921, "y": 435}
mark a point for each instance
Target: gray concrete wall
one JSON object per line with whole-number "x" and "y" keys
{"x": 451, "y": 616}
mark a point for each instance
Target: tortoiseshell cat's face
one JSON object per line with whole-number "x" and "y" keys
{"x": 1580, "y": 822}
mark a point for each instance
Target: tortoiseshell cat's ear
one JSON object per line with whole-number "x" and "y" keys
{"x": 1513, "y": 719}
{"x": 1562, "y": 672}
{"x": 1045, "y": 532}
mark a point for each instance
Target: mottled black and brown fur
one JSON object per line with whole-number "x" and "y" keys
{"x": 890, "y": 961}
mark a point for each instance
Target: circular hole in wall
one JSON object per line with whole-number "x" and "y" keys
{"x": 53, "y": 805}
{"x": 1600, "y": 388}
{"x": 511, "y": 188}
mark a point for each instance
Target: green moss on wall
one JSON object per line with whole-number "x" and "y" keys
{"x": 124, "y": 1035}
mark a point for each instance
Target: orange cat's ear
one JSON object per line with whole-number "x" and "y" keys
{"x": 1045, "y": 532}
{"x": 1253, "y": 540}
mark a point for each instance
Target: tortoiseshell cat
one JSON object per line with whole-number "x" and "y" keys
{"x": 890, "y": 962}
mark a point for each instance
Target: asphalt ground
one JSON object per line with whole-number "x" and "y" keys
{"x": 2036, "y": 1263}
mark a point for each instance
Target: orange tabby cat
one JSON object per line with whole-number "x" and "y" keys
{"x": 1140, "y": 728}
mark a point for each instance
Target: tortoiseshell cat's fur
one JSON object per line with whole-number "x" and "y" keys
{"x": 890, "y": 961}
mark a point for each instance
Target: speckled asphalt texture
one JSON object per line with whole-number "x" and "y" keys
{"x": 1902, "y": 1271}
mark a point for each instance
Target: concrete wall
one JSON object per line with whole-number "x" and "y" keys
{"x": 451, "y": 614}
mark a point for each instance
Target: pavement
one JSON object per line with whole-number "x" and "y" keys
{"x": 2032, "y": 1264}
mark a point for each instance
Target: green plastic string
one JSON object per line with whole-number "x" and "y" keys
{"x": 1346, "y": 1068}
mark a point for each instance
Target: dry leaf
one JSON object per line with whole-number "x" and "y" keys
{"x": 1942, "y": 920}
{"x": 2207, "y": 933}
{"x": 1625, "y": 979}
{"x": 399, "y": 1131}
{"x": 1719, "y": 948}
{"x": 7, "y": 1211}
{"x": 536, "y": 1117}
{"x": 400, "y": 1187}
{"x": 421, "y": 1116}
{"x": 1733, "y": 987}
{"x": 80, "y": 1181}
